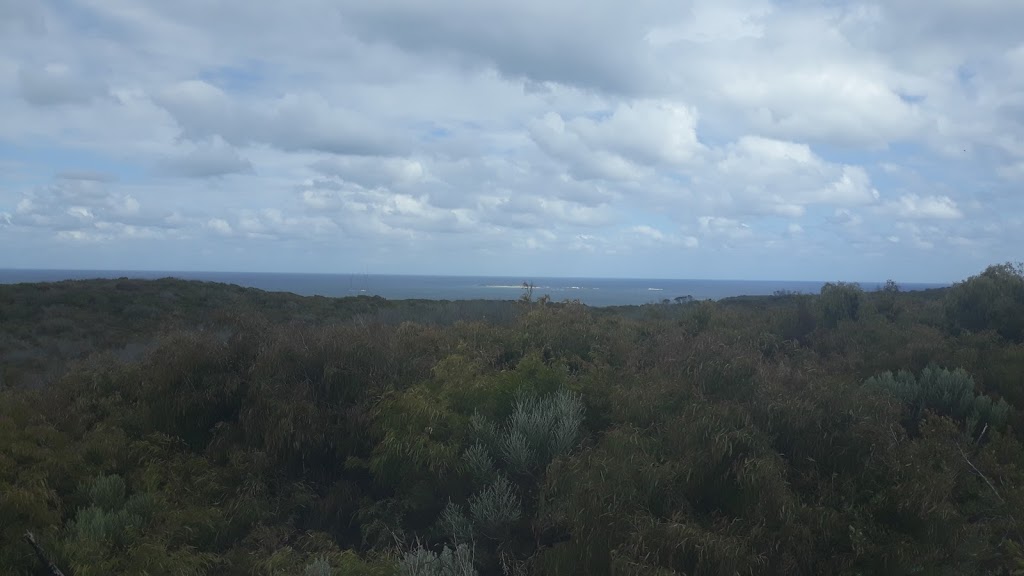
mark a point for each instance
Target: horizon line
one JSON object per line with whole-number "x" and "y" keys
{"x": 527, "y": 278}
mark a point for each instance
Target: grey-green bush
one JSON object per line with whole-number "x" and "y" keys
{"x": 947, "y": 392}
{"x": 495, "y": 508}
{"x": 448, "y": 562}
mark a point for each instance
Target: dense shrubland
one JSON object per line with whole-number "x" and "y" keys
{"x": 849, "y": 432}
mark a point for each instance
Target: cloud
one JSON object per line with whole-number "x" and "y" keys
{"x": 369, "y": 211}
{"x": 930, "y": 207}
{"x": 769, "y": 176}
{"x": 727, "y": 230}
{"x": 220, "y": 226}
{"x": 651, "y": 236}
{"x": 475, "y": 138}
{"x": 847, "y": 218}
{"x": 56, "y": 84}
{"x": 623, "y": 145}
{"x": 293, "y": 122}
{"x": 87, "y": 210}
{"x": 206, "y": 159}
{"x": 648, "y": 133}
{"x": 570, "y": 43}
{"x": 88, "y": 175}
{"x": 371, "y": 172}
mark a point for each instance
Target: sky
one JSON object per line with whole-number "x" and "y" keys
{"x": 786, "y": 140}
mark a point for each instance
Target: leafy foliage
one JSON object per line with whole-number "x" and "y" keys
{"x": 448, "y": 562}
{"x": 992, "y": 300}
{"x": 950, "y": 393}
{"x": 172, "y": 427}
{"x": 840, "y": 301}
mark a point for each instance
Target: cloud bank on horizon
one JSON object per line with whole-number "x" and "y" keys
{"x": 691, "y": 139}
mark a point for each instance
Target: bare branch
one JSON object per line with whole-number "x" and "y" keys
{"x": 978, "y": 472}
{"x": 50, "y": 566}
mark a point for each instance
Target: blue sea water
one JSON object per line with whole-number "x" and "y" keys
{"x": 591, "y": 291}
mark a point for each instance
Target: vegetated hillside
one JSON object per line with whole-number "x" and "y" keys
{"x": 838, "y": 433}
{"x": 45, "y": 325}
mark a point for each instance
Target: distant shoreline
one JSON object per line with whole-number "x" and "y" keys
{"x": 590, "y": 291}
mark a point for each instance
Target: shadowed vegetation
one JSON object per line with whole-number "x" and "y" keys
{"x": 172, "y": 427}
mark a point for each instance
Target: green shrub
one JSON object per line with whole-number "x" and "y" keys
{"x": 992, "y": 300}
{"x": 696, "y": 439}
{"x": 840, "y": 301}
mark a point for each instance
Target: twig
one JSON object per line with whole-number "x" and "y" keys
{"x": 1013, "y": 520}
{"x": 978, "y": 472}
{"x": 980, "y": 436}
{"x": 50, "y": 566}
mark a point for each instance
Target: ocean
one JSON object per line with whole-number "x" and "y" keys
{"x": 590, "y": 291}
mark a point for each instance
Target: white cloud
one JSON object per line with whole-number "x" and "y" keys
{"x": 716, "y": 22}
{"x": 649, "y": 236}
{"x": 562, "y": 142}
{"x": 370, "y": 171}
{"x": 80, "y": 212}
{"x": 408, "y": 132}
{"x": 205, "y": 159}
{"x": 293, "y": 122}
{"x": 784, "y": 178}
{"x": 728, "y": 229}
{"x": 847, "y": 218}
{"x": 220, "y": 226}
{"x": 645, "y": 132}
{"x": 928, "y": 207}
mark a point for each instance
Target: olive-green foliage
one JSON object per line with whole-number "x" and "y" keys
{"x": 840, "y": 301}
{"x": 191, "y": 428}
{"x": 992, "y": 300}
{"x": 887, "y": 301}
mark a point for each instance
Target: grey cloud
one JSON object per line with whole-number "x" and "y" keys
{"x": 206, "y": 160}
{"x": 572, "y": 42}
{"x": 452, "y": 124}
{"x": 86, "y": 175}
{"x": 28, "y": 15}
{"x": 272, "y": 223}
{"x": 460, "y": 183}
{"x": 56, "y": 84}
{"x": 371, "y": 172}
{"x": 294, "y": 122}
{"x": 979, "y": 25}
{"x": 528, "y": 211}
{"x": 415, "y": 212}
{"x": 552, "y": 136}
